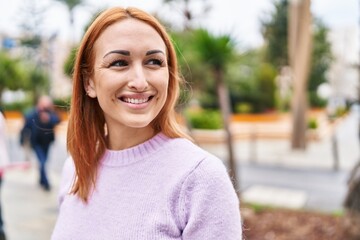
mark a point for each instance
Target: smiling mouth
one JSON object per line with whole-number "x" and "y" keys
{"x": 136, "y": 100}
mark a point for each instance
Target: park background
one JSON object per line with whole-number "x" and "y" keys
{"x": 249, "y": 41}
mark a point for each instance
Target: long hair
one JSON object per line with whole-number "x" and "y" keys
{"x": 86, "y": 130}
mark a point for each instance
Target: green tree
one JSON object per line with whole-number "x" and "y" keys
{"x": 320, "y": 62}
{"x": 275, "y": 32}
{"x": 38, "y": 82}
{"x": 265, "y": 79}
{"x": 12, "y": 75}
{"x": 251, "y": 82}
{"x": 68, "y": 67}
{"x": 216, "y": 52}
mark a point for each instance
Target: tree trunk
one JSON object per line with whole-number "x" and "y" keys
{"x": 224, "y": 103}
{"x": 352, "y": 203}
{"x": 300, "y": 45}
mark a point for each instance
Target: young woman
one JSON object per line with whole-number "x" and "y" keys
{"x": 132, "y": 172}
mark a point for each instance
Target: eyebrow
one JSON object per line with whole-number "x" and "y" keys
{"x": 127, "y": 53}
{"x": 154, "y": 52}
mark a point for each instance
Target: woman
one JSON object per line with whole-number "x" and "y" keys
{"x": 132, "y": 172}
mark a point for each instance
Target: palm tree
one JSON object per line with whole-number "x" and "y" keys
{"x": 187, "y": 12}
{"x": 300, "y": 44}
{"x": 217, "y": 52}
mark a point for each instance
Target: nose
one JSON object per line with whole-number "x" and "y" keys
{"x": 137, "y": 79}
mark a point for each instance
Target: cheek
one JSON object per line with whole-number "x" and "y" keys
{"x": 106, "y": 83}
{"x": 163, "y": 88}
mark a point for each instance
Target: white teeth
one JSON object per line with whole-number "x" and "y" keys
{"x": 136, "y": 100}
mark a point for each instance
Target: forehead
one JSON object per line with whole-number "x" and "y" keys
{"x": 129, "y": 34}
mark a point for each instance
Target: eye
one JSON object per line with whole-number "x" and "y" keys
{"x": 119, "y": 63}
{"x": 155, "y": 61}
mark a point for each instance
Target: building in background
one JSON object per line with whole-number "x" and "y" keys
{"x": 344, "y": 74}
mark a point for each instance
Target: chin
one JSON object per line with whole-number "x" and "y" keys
{"x": 139, "y": 124}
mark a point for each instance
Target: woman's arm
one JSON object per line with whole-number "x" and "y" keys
{"x": 210, "y": 207}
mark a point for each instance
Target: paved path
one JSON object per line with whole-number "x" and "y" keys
{"x": 30, "y": 213}
{"x": 322, "y": 190}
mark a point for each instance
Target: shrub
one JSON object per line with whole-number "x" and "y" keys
{"x": 312, "y": 123}
{"x": 21, "y": 106}
{"x": 205, "y": 119}
{"x": 243, "y": 108}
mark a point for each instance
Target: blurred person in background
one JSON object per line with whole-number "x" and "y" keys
{"x": 38, "y": 129}
{"x": 4, "y": 161}
{"x": 133, "y": 172}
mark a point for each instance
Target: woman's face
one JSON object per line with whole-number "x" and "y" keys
{"x": 131, "y": 75}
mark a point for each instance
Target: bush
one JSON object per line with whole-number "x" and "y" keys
{"x": 312, "y": 123}
{"x": 21, "y": 106}
{"x": 243, "y": 108}
{"x": 205, "y": 119}
{"x": 62, "y": 103}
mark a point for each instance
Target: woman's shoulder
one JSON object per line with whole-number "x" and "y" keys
{"x": 185, "y": 147}
{"x": 189, "y": 154}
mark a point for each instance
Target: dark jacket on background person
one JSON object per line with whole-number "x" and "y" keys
{"x": 36, "y": 131}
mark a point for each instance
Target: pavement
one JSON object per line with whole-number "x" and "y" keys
{"x": 270, "y": 173}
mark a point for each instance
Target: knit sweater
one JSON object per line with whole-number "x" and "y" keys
{"x": 161, "y": 189}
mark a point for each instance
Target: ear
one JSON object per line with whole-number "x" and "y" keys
{"x": 90, "y": 88}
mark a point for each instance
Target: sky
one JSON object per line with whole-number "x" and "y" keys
{"x": 241, "y": 18}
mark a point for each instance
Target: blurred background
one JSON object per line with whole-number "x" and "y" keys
{"x": 272, "y": 88}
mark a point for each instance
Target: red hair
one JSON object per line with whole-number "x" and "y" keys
{"x": 86, "y": 130}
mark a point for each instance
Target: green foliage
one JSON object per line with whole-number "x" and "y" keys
{"x": 213, "y": 54}
{"x": 254, "y": 84}
{"x": 205, "y": 119}
{"x": 259, "y": 208}
{"x": 243, "y": 108}
{"x": 21, "y": 106}
{"x": 12, "y": 75}
{"x": 312, "y": 123}
{"x": 33, "y": 42}
{"x": 215, "y": 51}
{"x": 62, "y": 103}
{"x": 39, "y": 82}
{"x": 194, "y": 71}
{"x": 340, "y": 111}
{"x": 266, "y": 85}
{"x": 70, "y": 62}
{"x": 338, "y": 213}
{"x": 275, "y": 31}
{"x": 320, "y": 62}
{"x": 315, "y": 100}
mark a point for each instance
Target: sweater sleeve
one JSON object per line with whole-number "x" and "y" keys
{"x": 67, "y": 179}
{"x": 209, "y": 205}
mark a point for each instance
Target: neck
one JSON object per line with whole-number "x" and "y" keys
{"x": 129, "y": 137}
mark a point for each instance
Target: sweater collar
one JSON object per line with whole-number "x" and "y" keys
{"x": 134, "y": 154}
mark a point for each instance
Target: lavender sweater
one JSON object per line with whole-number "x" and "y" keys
{"x": 161, "y": 189}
